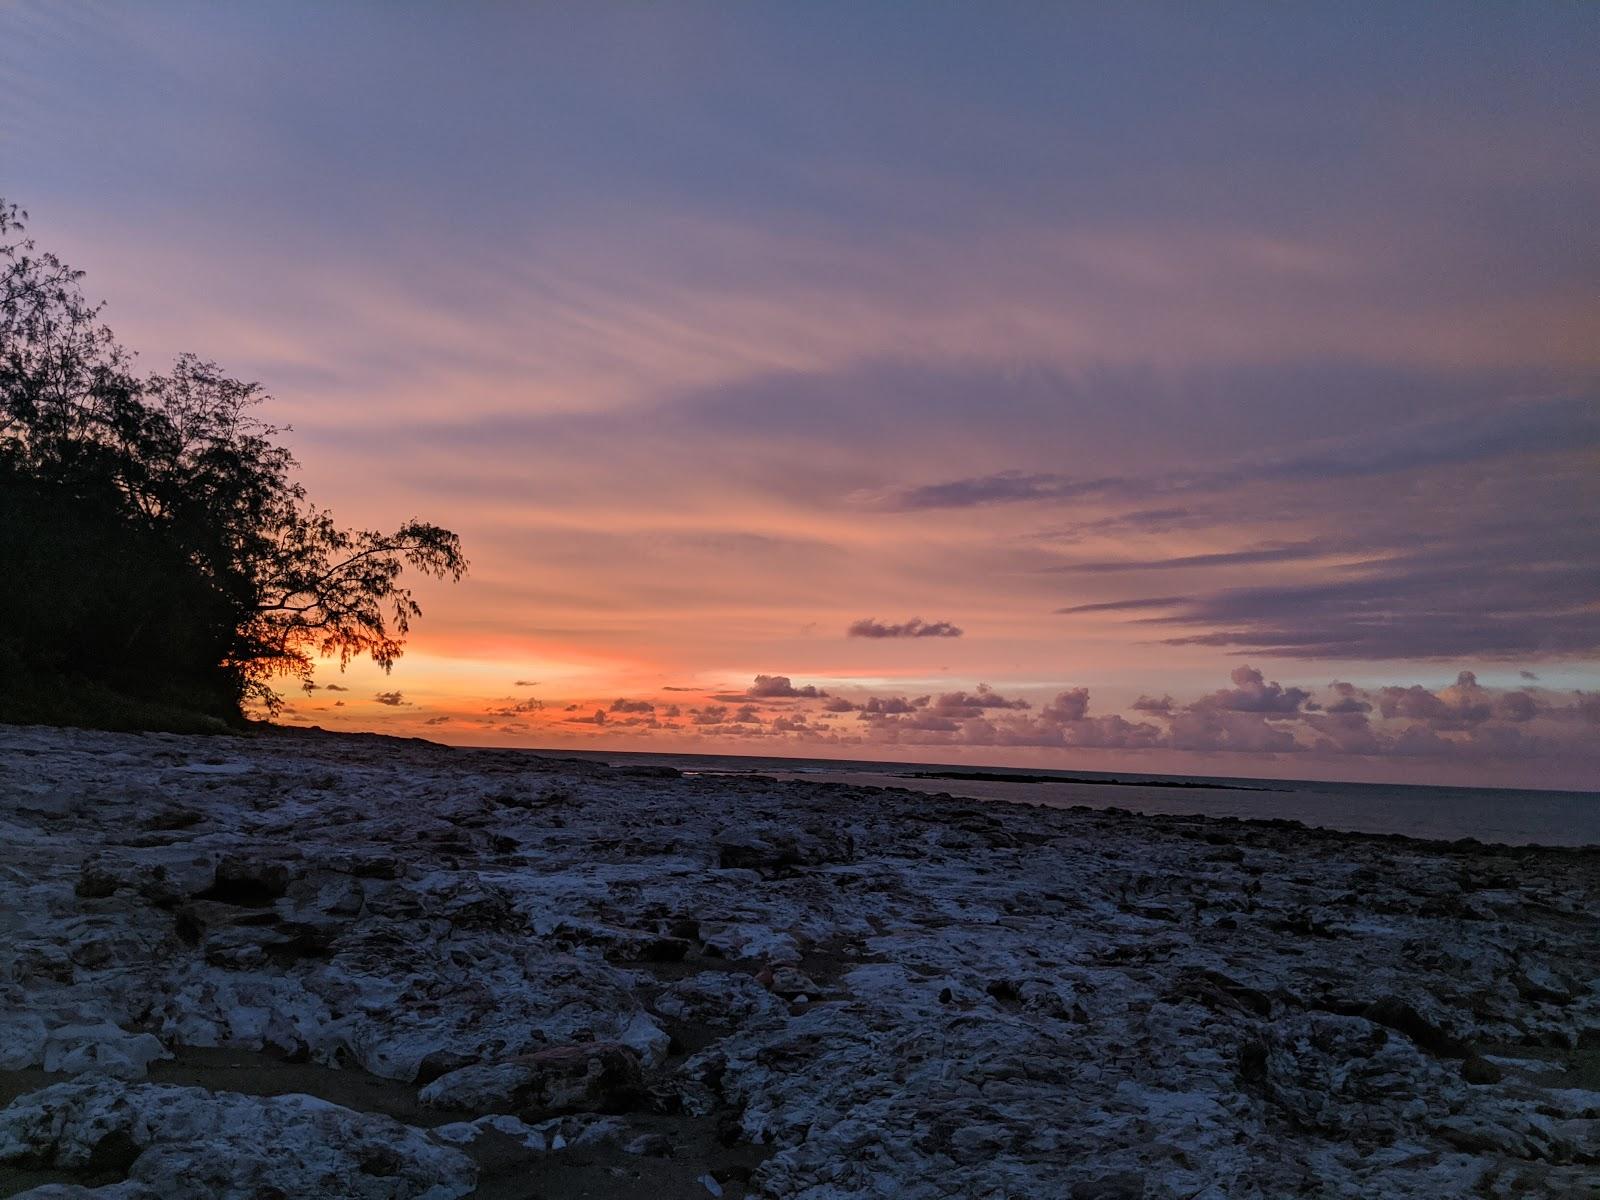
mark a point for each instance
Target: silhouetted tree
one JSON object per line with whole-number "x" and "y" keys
{"x": 152, "y": 537}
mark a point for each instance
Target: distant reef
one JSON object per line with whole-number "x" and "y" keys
{"x": 1109, "y": 781}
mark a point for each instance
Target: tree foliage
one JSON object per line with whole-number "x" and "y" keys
{"x": 153, "y": 538}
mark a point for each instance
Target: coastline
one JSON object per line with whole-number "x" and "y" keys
{"x": 804, "y": 989}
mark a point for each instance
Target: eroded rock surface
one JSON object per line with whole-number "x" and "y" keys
{"x": 179, "y": 1143}
{"x": 889, "y": 994}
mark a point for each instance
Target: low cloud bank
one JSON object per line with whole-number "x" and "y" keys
{"x": 1460, "y": 721}
{"x": 1463, "y": 721}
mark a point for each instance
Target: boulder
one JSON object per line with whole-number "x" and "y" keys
{"x": 585, "y": 1077}
{"x": 184, "y": 1143}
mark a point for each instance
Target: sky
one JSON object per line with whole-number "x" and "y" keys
{"x": 1207, "y": 389}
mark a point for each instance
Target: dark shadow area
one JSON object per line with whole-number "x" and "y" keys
{"x": 159, "y": 564}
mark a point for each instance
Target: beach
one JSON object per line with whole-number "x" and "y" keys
{"x": 306, "y": 964}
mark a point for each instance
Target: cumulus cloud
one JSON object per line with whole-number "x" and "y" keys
{"x": 1462, "y": 705}
{"x": 1349, "y": 699}
{"x": 526, "y": 683}
{"x": 771, "y": 687}
{"x": 874, "y": 706}
{"x": 963, "y": 703}
{"x": 334, "y": 687}
{"x": 1251, "y": 693}
{"x": 392, "y": 699}
{"x": 436, "y": 720}
{"x": 598, "y": 717}
{"x": 517, "y": 708}
{"x": 916, "y": 627}
{"x": 953, "y": 720}
{"x": 1461, "y": 720}
{"x": 632, "y": 706}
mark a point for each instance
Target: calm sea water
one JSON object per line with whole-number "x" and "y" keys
{"x": 1506, "y": 815}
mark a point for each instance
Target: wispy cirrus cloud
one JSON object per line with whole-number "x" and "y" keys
{"x": 1495, "y": 599}
{"x": 1125, "y": 605}
{"x": 1228, "y": 558}
{"x": 1494, "y": 431}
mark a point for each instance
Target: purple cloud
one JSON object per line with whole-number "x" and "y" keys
{"x": 771, "y": 687}
{"x": 1126, "y": 605}
{"x": 916, "y": 627}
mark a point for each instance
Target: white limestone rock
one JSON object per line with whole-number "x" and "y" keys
{"x": 183, "y": 1143}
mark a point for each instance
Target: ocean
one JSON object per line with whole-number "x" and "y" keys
{"x": 1509, "y": 815}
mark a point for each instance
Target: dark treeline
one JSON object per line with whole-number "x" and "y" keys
{"x": 159, "y": 564}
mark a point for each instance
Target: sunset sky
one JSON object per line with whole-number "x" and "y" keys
{"x": 1125, "y": 387}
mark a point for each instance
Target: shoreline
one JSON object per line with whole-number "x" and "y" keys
{"x": 790, "y": 988}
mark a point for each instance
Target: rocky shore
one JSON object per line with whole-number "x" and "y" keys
{"x": 301, "y": 965}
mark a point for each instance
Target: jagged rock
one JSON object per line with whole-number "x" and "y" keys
{"x": 1399, "y": 1015}
{"x": 22, "y": 1040}
{"x": 1345, "y": 1076}
{"x": 1538, "y": 983}
{"x": 183, "y": 1143}
{"x": 405, "y": 943}
{"x": 790, "y": 982}
{"x": 593, "y": 1077}
{"x": 1221, "y": 994}
{"x": 1520, "y": 1139}
{"x": 100, "y": 1048}
{"x": 722, "y": 998}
